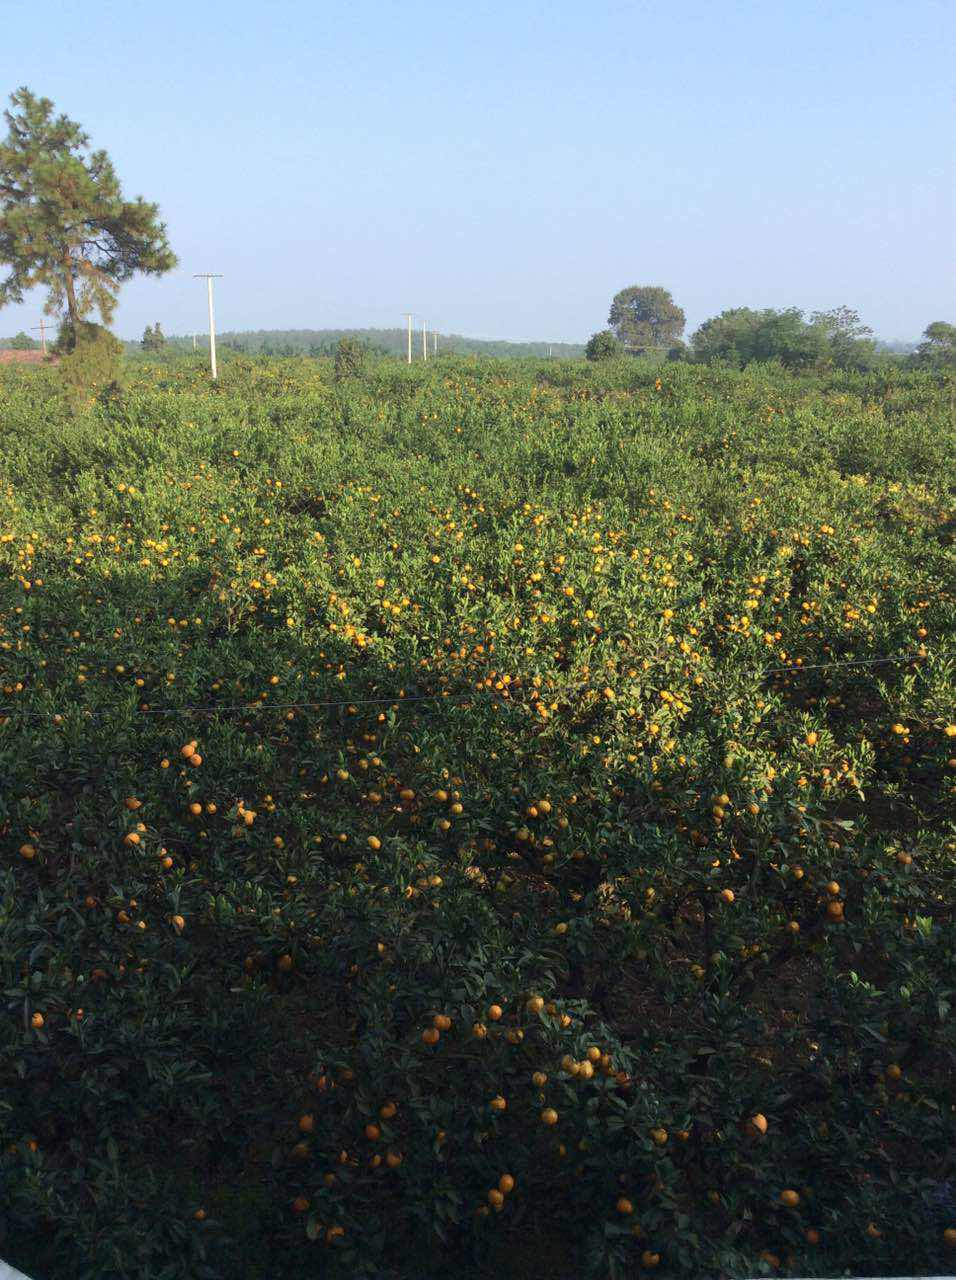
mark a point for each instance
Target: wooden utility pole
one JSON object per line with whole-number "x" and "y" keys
{"x": 42, "y": 328}
{"x": 408, "y": 317}
{"x": 424, "y": 341}
{"x": 434, "y": 344}
{"x": 209, "y": 276}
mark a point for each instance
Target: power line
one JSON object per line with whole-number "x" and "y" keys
{"x": 402, "y": 697}
{"x": 853, "y": 662}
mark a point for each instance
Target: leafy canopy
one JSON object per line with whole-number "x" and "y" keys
{"x": 742, "y": 336}
{"x": 602, "y": 346}
{"x": 938, "y": 348}
{"x": 645, "y": 316}
{"x": 64, "y": 224}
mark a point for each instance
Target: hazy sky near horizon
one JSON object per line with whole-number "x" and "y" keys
{"x": 502, "y": 168}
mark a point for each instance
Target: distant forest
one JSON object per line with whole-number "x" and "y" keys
{"x": 391, "y": 342}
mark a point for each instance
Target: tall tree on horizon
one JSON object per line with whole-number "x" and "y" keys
{"x": 64, "y": 223}
{"x": 645, "y": 316}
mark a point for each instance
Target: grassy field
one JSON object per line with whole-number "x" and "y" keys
{"x": 489, "y": 818}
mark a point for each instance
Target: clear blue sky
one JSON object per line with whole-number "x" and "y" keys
{"x": 502, "y": 167}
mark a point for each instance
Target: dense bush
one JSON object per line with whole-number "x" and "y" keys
{"x": 603, "y": 345}
{"x": 91, "y": 363}
{"x": 463, "y": 774}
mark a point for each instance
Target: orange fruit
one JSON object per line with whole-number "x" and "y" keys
{"x": 431, "y": 1035}
{"x": 285, "y": 963}
{"x": 300, "y": 1204}
{"x": 727, "y": 895}
{"x": 307, "y": 1123}
{"x": 506, "y": 1184}
{"x": 650, "y": 1260}
{"x": 893, "y": 1071}
{"x": 36, "y": 1021}
{"x": 757, "y": 1125}
{"x": 812, "y": 1236}
{"x": 494, "y": 1012}
{"x": 27, "y": 851}
{"x": 442, "y": 1021}
{"x": 549, "y": 1116}
{"x": 373, "y": 1132}
{"x": 495, "y": 1198}
{"x": 949, "y": 1237}
{"x": 387, "y": 1111}
{"x": 835, "y": 910}
{"x": 790, "y": 1198}
{"x": 624, "y": 1206}
{"x": 178, "y": 923}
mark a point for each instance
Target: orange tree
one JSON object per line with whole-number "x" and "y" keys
{"x": 495, "y": 812}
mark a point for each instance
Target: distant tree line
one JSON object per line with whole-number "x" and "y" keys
{"x": 645, "y": 320}
{"x": 382, "y": 342}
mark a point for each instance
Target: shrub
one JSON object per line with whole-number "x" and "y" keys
{"x": 91, "y": 363}
{"x": 351, "y": 358}
{"x": 603, "y": 346}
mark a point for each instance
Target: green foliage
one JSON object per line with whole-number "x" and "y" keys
{"x": 351, "y": 357}
{"x": 153, "y": 339}
{"x": 603, "y": 346}
{"x": 646, "y": 318}
{"x": 829, "y": 339}
{"x": 392, "y": 342}
{"x": 23, "y": 342}
{"x": 849, "y": 341}
{"x": 91, "y": 364}
{"x": 742, "y": 336}
{"x": 328, "y": 711}
{"x": 64, "y": 224}
{"x": 938, "y": 348}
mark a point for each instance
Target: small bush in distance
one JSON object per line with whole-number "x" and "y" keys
{"x": 603, "y": 346}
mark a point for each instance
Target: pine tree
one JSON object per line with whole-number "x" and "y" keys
{"x": 148, "y": 339}
{"x": 64, "y": 224}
